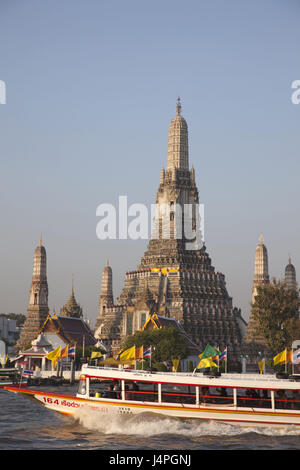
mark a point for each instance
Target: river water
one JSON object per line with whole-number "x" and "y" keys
{"x": 26, "y": 425}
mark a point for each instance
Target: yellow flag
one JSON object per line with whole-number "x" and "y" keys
{"x": 54, "y": 355}
{"x": 95, "y": 354}
{"x": 128, "y": 354}
{"x": 176, "y": 363}
{"x": 261, "y": 365}
{"x": 207, "y": 362}
{"x": 281, "y": 357}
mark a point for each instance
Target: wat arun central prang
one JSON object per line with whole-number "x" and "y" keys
{"x": 175, "y": 277}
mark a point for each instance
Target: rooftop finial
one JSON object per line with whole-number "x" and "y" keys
{"x": 178, "y": 106}
{"x": 41, "y": 240}
{"x": 261, "y": 239}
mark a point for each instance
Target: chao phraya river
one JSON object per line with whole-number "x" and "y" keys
{"x": 27, "y": 425}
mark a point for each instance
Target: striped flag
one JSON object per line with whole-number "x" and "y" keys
{"x": 223, "y": 355}
{"x": 72, "y": 351}
{"x": 296, "y": 356}
{"x": 147, "y": 353}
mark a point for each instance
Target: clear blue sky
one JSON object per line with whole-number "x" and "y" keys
{"x": 91, "y": 89}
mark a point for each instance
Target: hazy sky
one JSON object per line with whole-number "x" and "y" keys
{"x": 91, "y": 88}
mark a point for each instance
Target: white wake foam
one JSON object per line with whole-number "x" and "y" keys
{"x": 148, "y": 425}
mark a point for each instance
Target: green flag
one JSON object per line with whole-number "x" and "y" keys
{"x": 209, "y": 351}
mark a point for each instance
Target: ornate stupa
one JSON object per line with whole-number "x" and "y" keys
{"x": 175, "y": 277}
{"x": 38, "y": 299}
{"x": 261, "y": 277}
{"x": 71, "y": 308}
{"x": 290, "y": 275}
{"x": 107, "y": 328}
{"x": 261, "y": 267}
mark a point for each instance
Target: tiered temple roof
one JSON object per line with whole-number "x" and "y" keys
{"x": 71, "y": 308}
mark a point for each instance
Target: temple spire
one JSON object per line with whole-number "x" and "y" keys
{"x": 38, "y": 299}
{"x": 178, "y": 153}
{"x": 261, "y": 278}
{"x": 71, "y": 308}
{"x": 290, "y": 275}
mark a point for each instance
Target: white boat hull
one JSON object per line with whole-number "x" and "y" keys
{"x": 71, "y": 405}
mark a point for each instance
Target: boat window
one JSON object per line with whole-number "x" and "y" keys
{"x": 141, "y": 391}
{"x": 287, "y": 399}
{"x": 185, "y": 394}
{"x": 82, "y": 385}
{"x": 97, "y": 387}
{"x": 105, "y": 388}
{"x": 251, "y": 397}
{"x": 215, "y": 395}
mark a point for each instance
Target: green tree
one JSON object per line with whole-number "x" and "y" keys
{"x": 167, "y": 343}
{"x": 276, "y": 312}
{"x": 83, "y": 355}
{"x": 19, "y": 317}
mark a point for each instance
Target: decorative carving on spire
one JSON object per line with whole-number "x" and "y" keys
{"x": 162, "y": 175}
{"x": 261, "y": 270}
{"x": 290, "y": 275}
{"x": 38, "y": 299}
{"x": 178, "y": 154}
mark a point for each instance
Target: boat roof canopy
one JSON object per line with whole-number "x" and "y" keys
{"x": 254, "y": 381}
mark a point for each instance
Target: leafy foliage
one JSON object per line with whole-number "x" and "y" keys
{"x": 276, "y": 311}
{"x": 83, "y": 355}
{"x": 167, "y": 343}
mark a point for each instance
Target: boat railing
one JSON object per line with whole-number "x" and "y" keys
{"x": 256, "y": 378}
{"x": 143, "y": 372}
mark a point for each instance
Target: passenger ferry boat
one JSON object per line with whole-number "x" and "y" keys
{"x": 246, "y": 399}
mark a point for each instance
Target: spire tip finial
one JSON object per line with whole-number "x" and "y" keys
{"x": 178, "y": 106}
